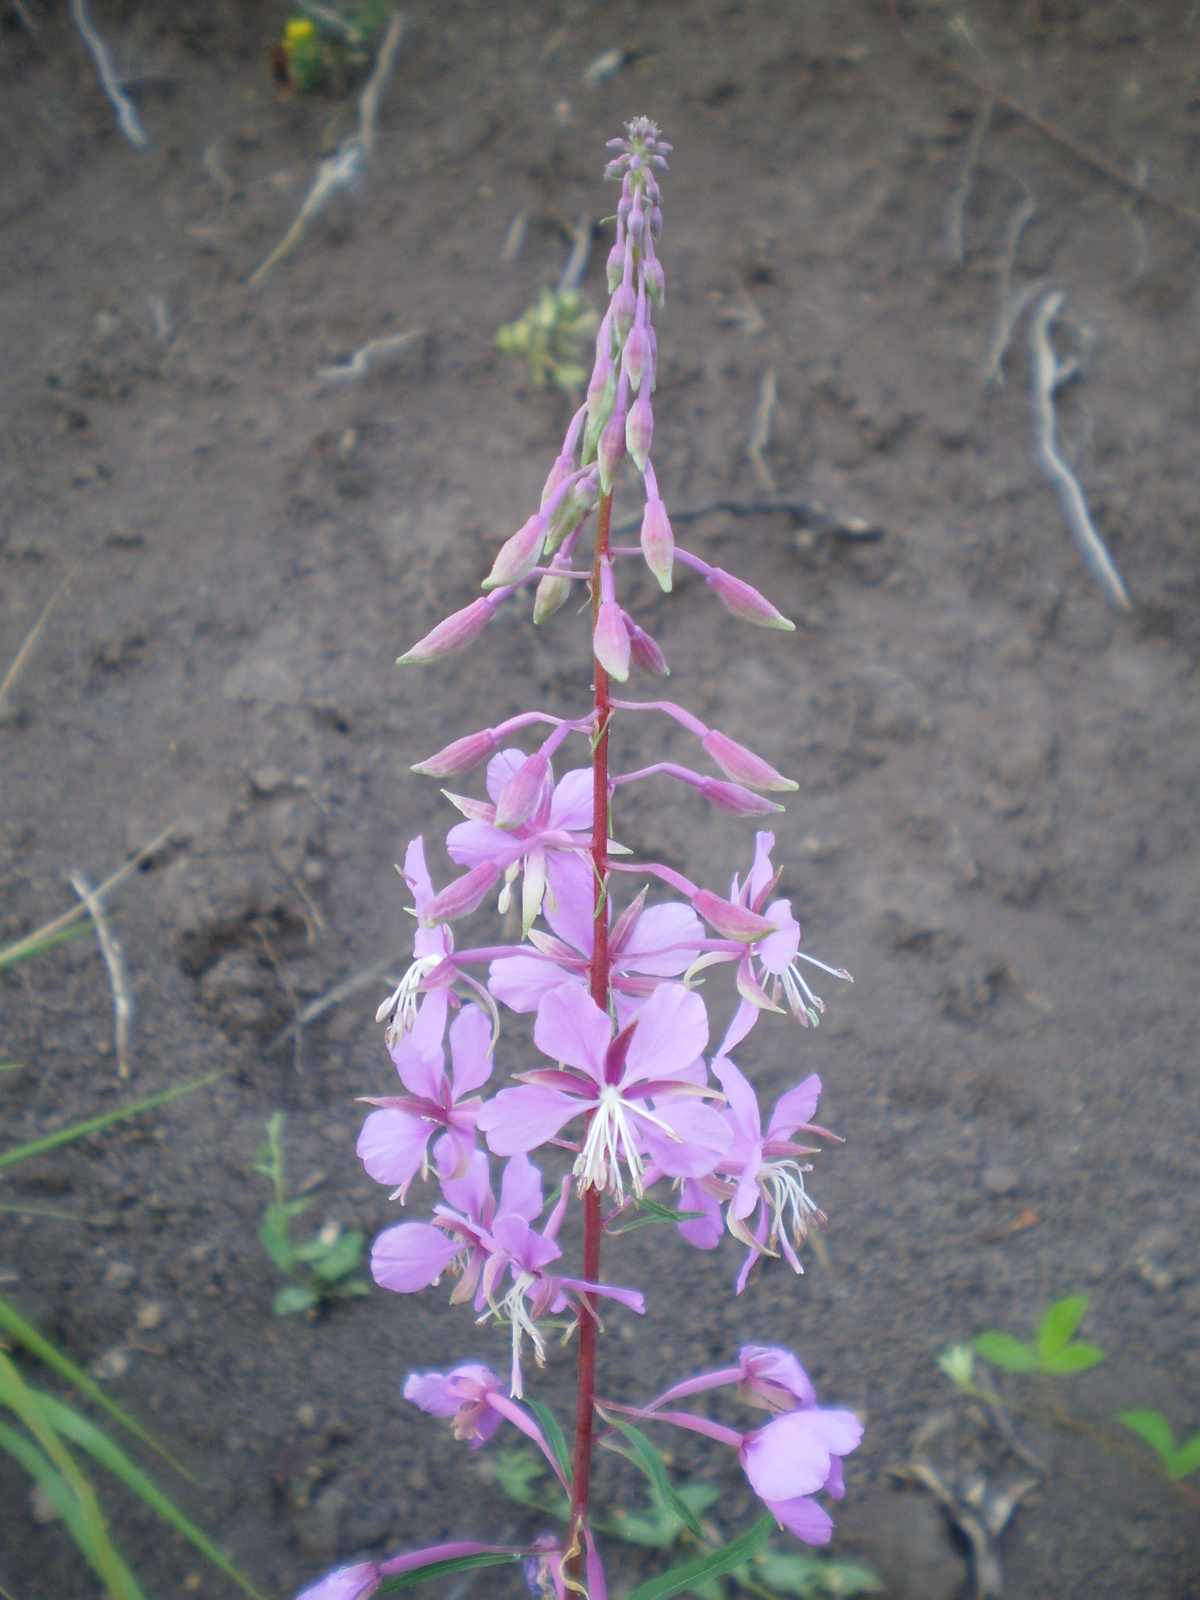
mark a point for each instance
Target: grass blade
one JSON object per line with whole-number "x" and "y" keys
{"x": 101, "y": 1448}
{"x": 78, "y": 1130}
{"x": 553, "y": 1436}
{"x": 443, "y": 1569}
{"x": 710, "y": 1566}
{"x": 28, "y": 1337}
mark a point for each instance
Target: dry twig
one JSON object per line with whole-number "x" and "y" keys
{"x": 1048, "y": 374}
{"x": 30, "y": 642}
{"x": 368, "y": 101}
{"x": 514, "y": 239}
{"x": 809, "y": 511}
{"x": 114, "y": 960}
{"x": 956, "y": 205}
{"x": 364, "y": 358}
{"x": 581, "y": 249}
{"x": 760, "y": 434}
{"x": 127, "y": 116}
{"x": 333, "y": 997}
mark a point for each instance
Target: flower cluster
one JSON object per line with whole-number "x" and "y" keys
{"x": 627, "y": 1092}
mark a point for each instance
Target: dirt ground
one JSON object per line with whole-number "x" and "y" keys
{"x": 996, "y": 829}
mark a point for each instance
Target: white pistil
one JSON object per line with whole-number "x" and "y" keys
{"x": 610, "y": 1136}
{"x": 786, "y": 1198}
{"x": 401, "y": 1006}
{"x": 513, "y": 1309}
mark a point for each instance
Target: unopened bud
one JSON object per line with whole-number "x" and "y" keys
{"x": 611, "y": 451}
{"x": 736, "y": 801}
{"x": 616, "y": 264}
{"x": 611, "y": 641}
{"x": 455, "y": 633}
{"x": 519, "y": 555}
{"x": 601, "y": 396}
{"x": 623, "y": 309}
{"x": 644, "y": 651}
{"x": 655, "y": 217}
{"x": 731, "y": 921}
{"x": 520, "y": 795}
{"x": 562, "y": 469}
{"x": 570, "y": 512}
{"x": 637, "y": 356}
{"x": 639, "y": 430}
{"x": 461, "y": 756}
{"x": 655, "y": 280}
{"x": 551, "y": 594}
{"x": 460, "y": 898}
{"x": 736, "y": 762}
{"x": 746, "y": 602}
{"x": 658, "y": 543}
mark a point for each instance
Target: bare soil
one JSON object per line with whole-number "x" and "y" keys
{"x": 997, "y": 823}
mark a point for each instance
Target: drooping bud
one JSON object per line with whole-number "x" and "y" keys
{"x": 736, "y": 762}
{"x": 550, "y": 596}
{"x": 602, "y": 393}
{"x": 562, "y": 469}
{"x": 518, "y": 556}
{"x": 623, "y": 309}
{"x": 639, "y": 430}
{"x": 655, "y": 280}
{"x": 729, "y": 920}
{"x": 644, "y": 651}
{"x": 610, "y": 642}
{"x": 658, "y": 541}
{"x": 746, "y": 602}
{"x": 637, "y": 356}
{"x": 455, "y": 633}
{"x": 461, "y": 756}
{"x": 611, "y": 450}
{"x": 616, "y": 260}
{"x": 570, "y": 511}
{"x": 734, "y": 800}
{"x": 520, "y": 795}
{"x": 464, "y": 895}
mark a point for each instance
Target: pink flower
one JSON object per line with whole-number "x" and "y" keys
{"x": 432, "y": 971}
{"x": 463, "y": 1394}
{"x": 657, "y": 1056}
{"x": 361, "y": 1581}
{"x": 393, "y": 1142}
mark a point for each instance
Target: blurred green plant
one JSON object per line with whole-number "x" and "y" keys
{"x": 1054, "y": 1349}
{"x": 325, "y": 1267}
{"x": 550, "y": 339}
{"x": 324, "y": 46}
{"x": 1177, "y": 1461}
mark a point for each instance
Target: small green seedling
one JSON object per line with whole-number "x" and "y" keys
{"x": 325, "y": 1267}
{"x": 1177, "y": 1461}
{"x": 324, "y": 45}
{"x": 1054, "y": 1351}
{"x": 549, "y": 337}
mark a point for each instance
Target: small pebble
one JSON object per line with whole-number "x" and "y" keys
{"x": 999, "y": 1180}
{"x": 42, "y": 1509}
{"x": 149, "y": 1315}
{"x": 306, "y": 1416}
{"x": 112, "y": 1364}
{"x": 119, "y": 1275}
{"x": 604, "y": 67}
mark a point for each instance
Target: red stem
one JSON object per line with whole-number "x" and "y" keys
{"x": 598, "y": 976}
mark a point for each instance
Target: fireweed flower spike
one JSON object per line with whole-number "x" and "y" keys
{"x": 615, "y": 1096}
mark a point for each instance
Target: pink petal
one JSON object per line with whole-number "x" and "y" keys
{"x": 411, "y": 1257}
{"x": 420, "y": 1072}
{"x": 521, "y": 1119}
{"x": 528, "y": 1249}
{"x": 569, "y": 904}
{"x": 762, "y": 871}
{"x": 471, "y": 1195}
{"x": 571, "y": 1028}
{"x": 430, "y": 1025}
{"x": 521, "y": 1189}
{"x": 416, "y": 873}
{"x": 766, "y": 1367}
{"x": 704, "y": 1139}
{"x": 347, "y": 1583}
{"x": 803, "y": 1517}
{"x": 791, "y": 1456}
{"x": 571, "y": 808}
{"x": 795, "y": 1109}
{"x": 744, "y": 1019}
{"x": 521, "y": 982}
{"x": 501, "y": 768}
{"x": 392, "y": 1146}
{"x": 470, "y": 1050}
{"x": 777, "y": 950}
{"x": 657, "y": 929}
{"x": 704, "y": 1232}
{"x": 472, "y": 844}
{"x": 743, "y": 1102}
{"x": 746, "y": 1197}
{"x": 672, "y": 1031}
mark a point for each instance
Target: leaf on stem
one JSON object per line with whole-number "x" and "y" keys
{"x": 1154, "y": 1429}
{"x": 553, "y": 1436}
{"x": 648, "y": 1460}
{"x": 1059, "y": 1324}
{"x": 1007, "y": 1353}
{"x": 444, "y": 1569}
{"x": 710, "y": 1566}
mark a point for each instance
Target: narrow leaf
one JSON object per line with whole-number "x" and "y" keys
{"x": 78, "y": 1130}
{"x": 1075, "y": 1357}
{"x": 651, "y": 1463}
{"x": 294, "y": 1297}
{"x": 1002, "y": 1350}
{"x": 444, "y": 1569}
{"x": 710, "y": 1566}
{"x": 553, "y": 1436}
{"x": 101, "y": 1448}
{"x": 1153, "y": 1428}
{"x": 1186, "y": 1459}
{"x": 26, "y": 1335}
{"x": 1059, "y": 1324}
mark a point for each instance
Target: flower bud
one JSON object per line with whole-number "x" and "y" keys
{"x": 637, "y": 223}
{"x": 731, "y": 921}
{"x": 611, "y": 641}
{"x": 644, "y": 651}
{"x": 611, "y": 450}
{"x": 658, "y": 543}
{"x": 562, "y": 469}
{"x": 518, "y": 556}
{"x": 623, "y": 309}
{"x": 601, "y": 396}
{"x": 464, "y": 895}
{"x": 654, "y": 279}
{"x": 460, "y": 757}
{"x": 746, "y": 602}
{"x": 656, "y": 219}
{"x": 736, "y": 762}
{"x": 638, "y": 354}
{"x": 551, "y": 594}
{"x": 639, "y": 430}
{"x": 616, "y": 263}
{"x": 734, "y": 800}
{"x": 454, "y": 633}
{"x": 570, "y": 512}
{"x": 520, "y": 795}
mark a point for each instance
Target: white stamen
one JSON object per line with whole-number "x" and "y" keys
{"x": 402, "y": 1005}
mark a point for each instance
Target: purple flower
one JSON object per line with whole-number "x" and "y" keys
{"x": 656, "y": 1056}
{"x": 432, "y": 971}
{"x": 394, "y": 1140}
{"x": 463, "y": 1394}
{"x": 362, "y": 1580}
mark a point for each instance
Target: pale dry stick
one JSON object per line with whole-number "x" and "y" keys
{"x": 1141, "y": 242}
{"x": 577, "y": 261}
{"x": 31, "y": 638}
{"x": 361, "y": 362}
{"x": 334, "y": 997}
{"x": 956, "y": 205}
{"x": 514, "y": 239}
{"x": 114, "y": 960}
{"x": 13, "y": 953}
{"x": 809, "y": 511}
{"x": 215, "y": 172}
{"x": 25, "y": 17}
{"x": 1048, "y": 373}
{"x": 342, "y": 170}
{"x": 760, "y": 434}
{"x": 127, "y": 117}
{"x": 991, "y": 369}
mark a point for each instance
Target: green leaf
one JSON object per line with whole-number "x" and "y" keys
{"x": 651, "y": 1463}
{"x": 515, "y": 1472}
{"x": 32, "y": 945}
{"x": 350, "y": 1288}
{"x": 1076, "y": 1357}
{"x": 274, "y": 1237}
{"x": 654, "y": 1528}
{"x": 1152, "y": 1427}
{"x": 42, "y": 1470}
{"x": 443, "y": 1569}
{"x": 101, "y": 1448}
{"x": 1002, "y": 1350}
{"x": 709, "y": 1566}
{"x": 78, "y": 1130}
{"x": 340, "y": 1259}
{"x": 553, "y": 1436}
{"x": 1059, "y": 1324}
{"x": 26, "y": 1335}
{"x": 1186, "y": 1459}
{"x": 957, "y": 1361}
{"x": 810, "y": 1576}
{"x": 294, "y": 1297}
